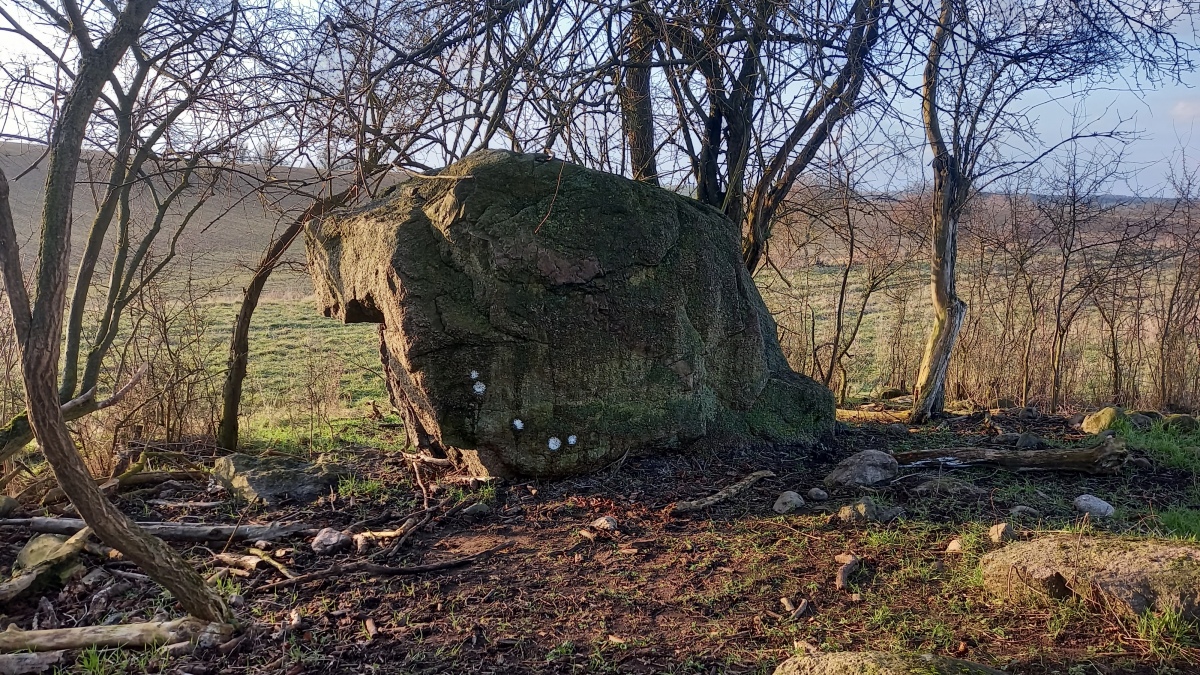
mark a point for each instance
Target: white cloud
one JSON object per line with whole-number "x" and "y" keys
{"x": 1186, "y": 109}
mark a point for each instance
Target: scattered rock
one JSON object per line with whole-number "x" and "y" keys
{"x": 35, "y": 662}
{"x": 263, "y": 544}
{"x": 1028, "y": 414}
{"x": 897, "y": 429}
{"x": 1076, "y": 420}
{"x": 330, "y": 541}
{"x": 949, "y": 486}
{"x": 955, "y": 546}
{"x": 1102, "y": 419}
{"x": 479, "y": 278}
{"x": 1021, "y": 510}
{"x": 1030, "y": 441}
{"x": 237, "y": 600}
{"x": 272, "y": 479}
{"x": 879, "y": 663}
{"x": 849, "y": 565}
{"x": 787, "y": 502}
{"x": 1001, "y": 533}
{"x": 1130, "y": 576}
{"x": 1180, "y": 423}
{"x": 818, "y": 495}
{"x": 861, "y": 511}
{"x": 864, "y": 468}
{"x": 889, "y": 514}
{"x": 1093, "y": 506}
{"x": 1140, "y": 422}
{"x": 477, "y": 509}
{"x": 1141, "y": 463}
{"x": 1007, "y": 438}
{"x": 606, "y": 524}
{"x": 8, "y": 506}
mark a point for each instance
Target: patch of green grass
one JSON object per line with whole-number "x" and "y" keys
{"x": 1182, "y": 522}
{"x": 1166, "y": 633}
{"x": 1171, "y": 449}
{"x": 567, "y": 648}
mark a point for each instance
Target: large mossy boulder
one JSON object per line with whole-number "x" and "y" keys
{"x": 1127, "y": 576}
{"x": 544, "y": 319}
{"x": 880, "y": 663}
{"x": 1103, "y": 419}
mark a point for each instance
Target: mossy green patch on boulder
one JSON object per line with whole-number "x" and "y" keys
{"x": 544, "y": 319}
{"x": 880, "y": 663}
{"x": 1105, "y": 418}
{"x": 1180, "y": 423}
{"x": 1128, "y": 576}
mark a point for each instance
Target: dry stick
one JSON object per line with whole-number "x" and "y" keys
{"x": 177, "y": 531}
{"x": 850, "y": 564}
{"x": 129, "y": 635}
{"x": 273, "y": 562}
{"x": 382, "y": 570}
{"x": 732, "y": 490}
{"x": 416, "y": 467}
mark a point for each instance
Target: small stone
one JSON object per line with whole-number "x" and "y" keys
{"x": 955, "y": 546}
{"x": 95, "y": 577}
{"x": 864, "y": 468}
{"x": 1022, "y": 510}
{"x": 1094, "y": 506}
{"x": 861, "y": 511}
{"x": 897, "y": 429}
{"x": 818, "y": 495}
{"x": 477, "y": 509}
{"x": 1141, "y": 463}
{"x": 890, "y": 514}
{"x": 606, "y": 524}
{"x": 1028, "y": 414}
{"x": 1180, "y": 423}
{"x": 237, "y": 600}
{"x": 1029, "y": 441}
{"x": 1001, "y": 533}
{"x": 787, "y": 502}
{"x": 330, "y": 541}
{"x": 1007, "y": 439}
{"x": 263, "y": 544}
{"x": 8, "y": 506}
{"x": 1140, "y": 422}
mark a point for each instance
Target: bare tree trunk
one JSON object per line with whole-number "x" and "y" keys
{"x": 239, "y": 343}
{"x": 636, "y": 106}
{"x": 950, "y": 190}
{"x": 39, "y": 329}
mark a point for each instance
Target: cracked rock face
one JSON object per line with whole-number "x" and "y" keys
{"x": 543, "y": 319}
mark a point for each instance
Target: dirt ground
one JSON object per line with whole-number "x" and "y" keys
{"x": 665, "y": 594}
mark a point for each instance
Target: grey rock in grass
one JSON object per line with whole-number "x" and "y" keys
{"x": 1094, "y": 506}
{"x": 1140, "y": 422}
{"x": 861, "y": 511}
{"x": 606, "y": 524}
{"x": 863, "y": 468}
{"x": 544, "y": 319}
{"x": 880, "y": 663}
{"x": 272, "y": 479}
{"x": 1128, "y": 576}
{"x": 1001, "y": 533}
{"x": 1007, "y": 439}
{"x": 1029, "y": 441}
{"x": 897, "y": 429}
{"x": 1022, "y": 511}
{"x": 1102, "y": 419}
{"x": 477, "y": 509}
{"x": 330, "y": 541}
{"x": 1180, "y": 423}
{"x": 818, "y": 495}
{"x": 788, "y": 502}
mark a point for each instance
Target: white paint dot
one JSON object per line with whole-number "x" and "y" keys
{"x": 554, "y": 443}
{"x": 571, "y": 440}
{"x": 474, "y": 374}
{"x": 479, "y": 388}
{"x": 518, "y": 425}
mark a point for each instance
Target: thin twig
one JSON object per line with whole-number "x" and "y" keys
{"x": 382, "y": 570}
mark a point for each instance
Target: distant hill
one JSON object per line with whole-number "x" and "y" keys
{"x": 221, "y": 244}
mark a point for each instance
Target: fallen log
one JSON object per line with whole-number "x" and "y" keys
{"x": 722, "y": 495}
{"x": 175, "y": 531}
{"x": 187, "y": 629}
{"x": 21, "y": 664}
{"x": 131, "y": 479}
{"x": 1108, "y": 457}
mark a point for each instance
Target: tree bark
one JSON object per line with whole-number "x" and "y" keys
{"x": 39, "y": 329}
{"x": 950, "y": 190}
{"x": 637, "y": 109}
